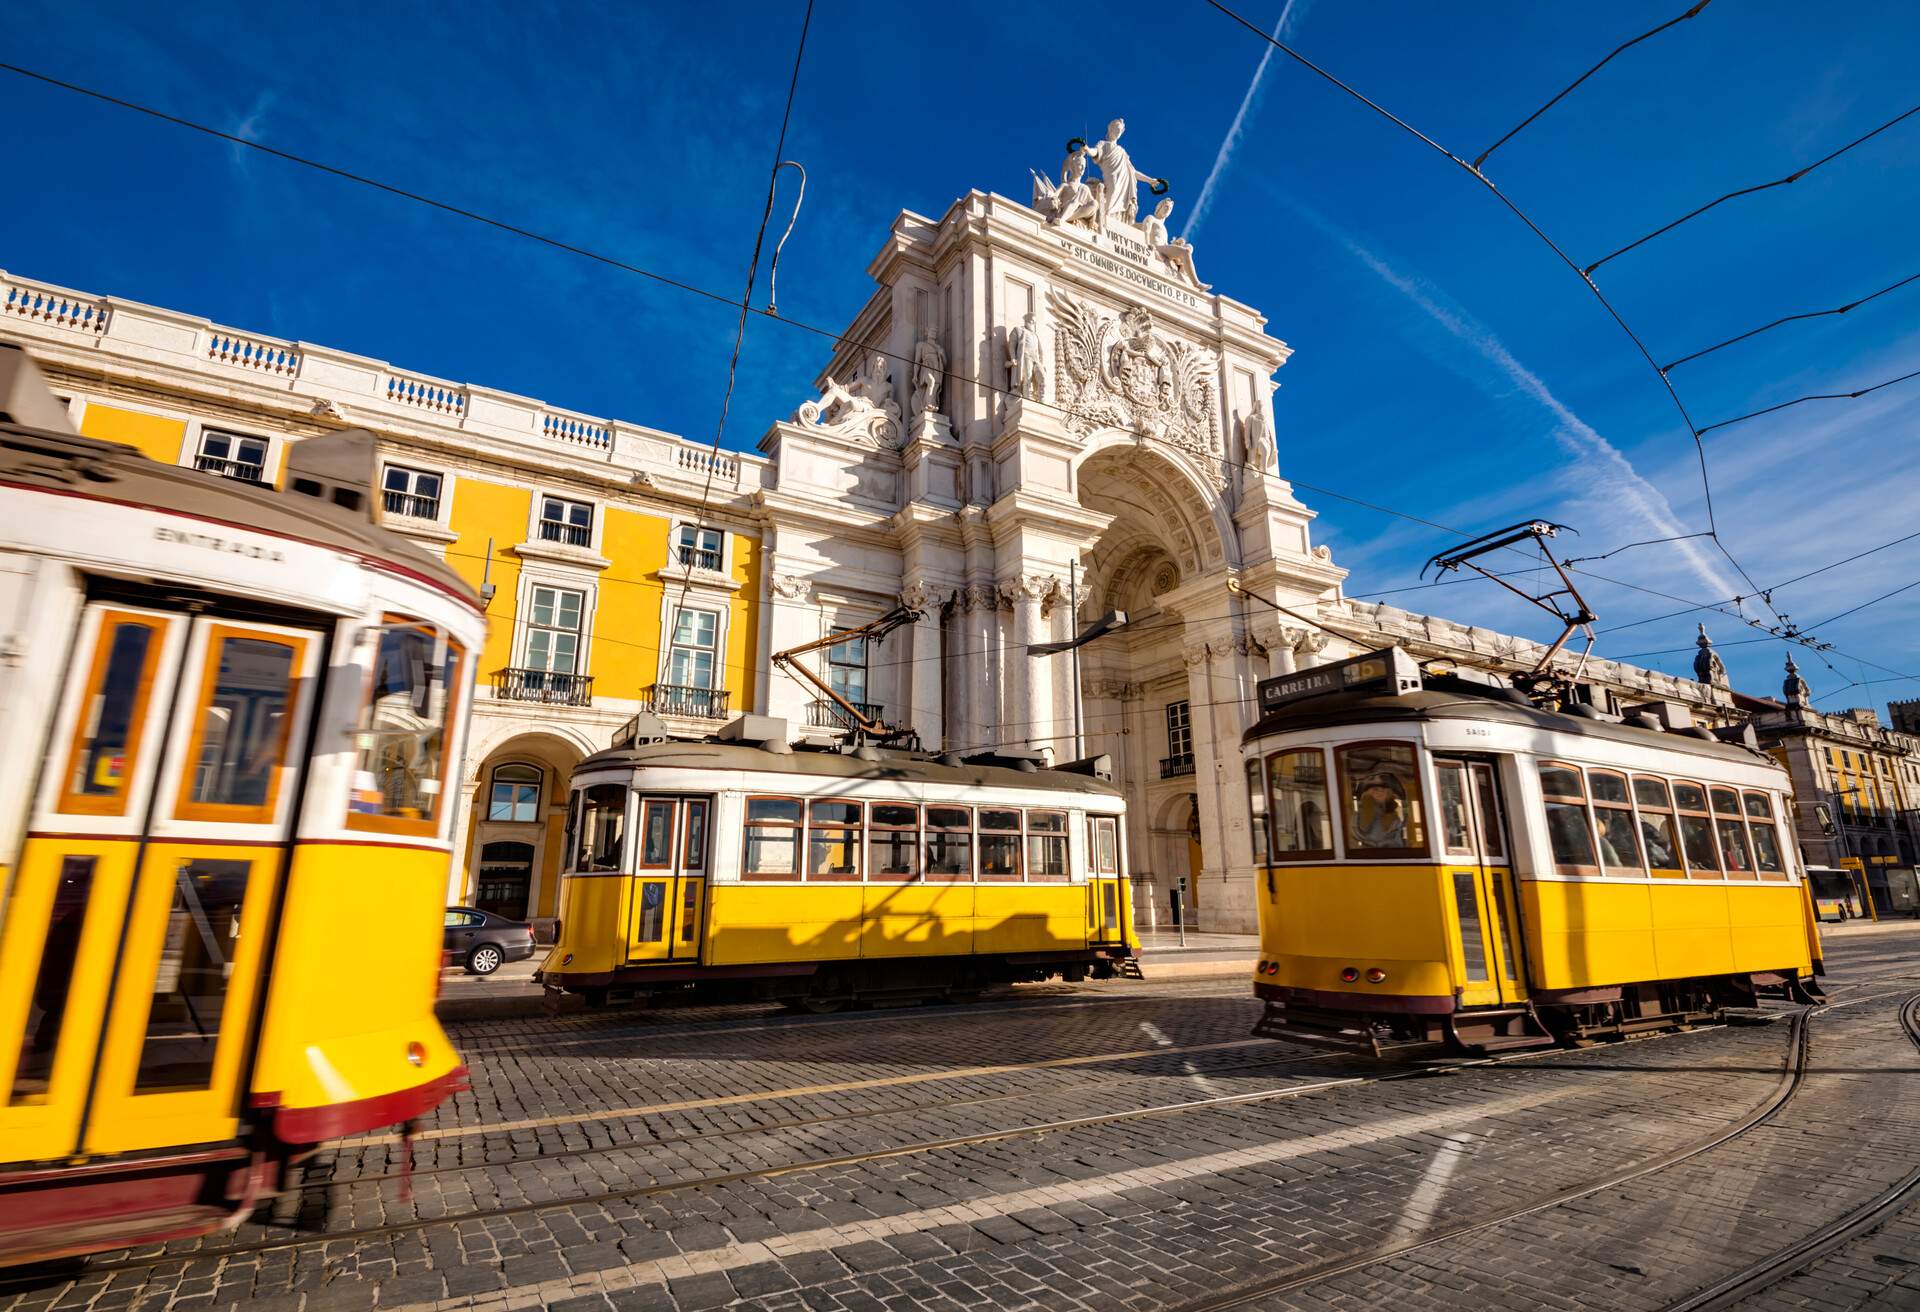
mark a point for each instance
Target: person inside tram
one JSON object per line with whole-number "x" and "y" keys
{"x": 1660, "y": 853}
{"x": 1380, "y": 812}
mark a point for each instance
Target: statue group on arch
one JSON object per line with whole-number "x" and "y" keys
{"x": 1111, "y": 201}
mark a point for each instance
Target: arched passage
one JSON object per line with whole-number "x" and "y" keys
{"x": 516, "y": 822}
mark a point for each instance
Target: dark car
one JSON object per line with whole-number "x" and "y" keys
{"x": 482, "y": 941}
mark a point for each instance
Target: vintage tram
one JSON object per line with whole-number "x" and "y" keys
{"x": 235, "y": 719}
{"x": 757, "y": 869}
{"x": 1445, "y": 860}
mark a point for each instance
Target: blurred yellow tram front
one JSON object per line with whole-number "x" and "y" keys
{"x": 1444, "y": 860}
{"x": 224, "y": 829}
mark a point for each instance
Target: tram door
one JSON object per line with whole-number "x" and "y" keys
{"x": 1106, "y": 884}
{"x": 669, "y": 889}
{"x": 1474, "y": 832}
{"x": 134, "y": 940}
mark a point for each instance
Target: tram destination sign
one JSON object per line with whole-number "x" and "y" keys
{"x": 1389, "y": 670}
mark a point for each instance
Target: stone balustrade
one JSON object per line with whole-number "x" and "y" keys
{"x": 58, "y": 321}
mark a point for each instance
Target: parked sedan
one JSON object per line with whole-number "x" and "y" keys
{"x": 483, "y": 942}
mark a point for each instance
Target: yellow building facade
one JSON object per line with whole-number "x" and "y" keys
{"x": 622, "y": 565}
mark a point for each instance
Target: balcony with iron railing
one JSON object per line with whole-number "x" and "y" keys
{"x": 572, "y": 535}
{"x": 694, "y": 703}
{"x": 409, "y": 506}
{"x": 823, "y": 714}
{"x": 240, "y": 470}
{"x": 1175, "y": 767}
{"x": 546, "y": 687}
{"x": 699, "y": 558}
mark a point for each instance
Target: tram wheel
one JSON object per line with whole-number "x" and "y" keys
{"x": 823, "y": 1006}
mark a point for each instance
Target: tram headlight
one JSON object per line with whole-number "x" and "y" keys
{"x": 1350, "y": 974}
{"x": 416, "y": 1053}
{"x": 1261, "y": 969}
{"x": 1375, "y": 975}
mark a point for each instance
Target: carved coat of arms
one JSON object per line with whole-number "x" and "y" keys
{"x": 1123, "y": 373}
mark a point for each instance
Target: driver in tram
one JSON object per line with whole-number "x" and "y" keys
{"x": 1380, "y": 811}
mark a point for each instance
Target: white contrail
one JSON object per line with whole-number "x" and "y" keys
{"x": 1612, "y": 473}
{"x": 1236, "y": 130}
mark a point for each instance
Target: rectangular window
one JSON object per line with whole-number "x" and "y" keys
{"x": 400, "y": 775}
{"x": 833, "y": 840}
{"x": 1106, "y": 845}
{"x": 893, "y": 840}
{"x": 847, "y": 669}
{"x": 53, "y": 978}
{"x": 772, "y": 849}
{"x": 190, "y": 988}
{"x": 700, "y": 547}
{"x": 106, "y": 741}
{"x": 1613, "y": 824}
{"x": 656, "y": 835}
{"x": 1568, "y": 829}
{"x": 1256, "y": 812}
{"x": 1383, "y": 808}
{"x": 602, "y": 827}
{"x": 1493, "y": 829}
{"x": 693, "y": 855}
{"x": 1047, "y": 846}
{"x": 1766, "y": 839}
{"x": 569, "y": 523}
{"x": 1656, "y": 827}
{"x": 652, "y": 927}
{"x": 410, "y": 493}
{"x": 999, "y": 844}
{"x": 1473, "y": 945}
{"x": 1696, "y": 831}
{"x": 1456, "y": 822}
{"x": 1302, "y": 826}
{"x": 1180, "y": 731}
{"x": 694, "y": 649}
{"x": 232, "y": 456}
{"x": 949, "y": 842}
{"x": 516, "y": 794}
{"x": 553, "y": 630}
{"x": 1735, "y": 848}
{"x": 236, "y": 758}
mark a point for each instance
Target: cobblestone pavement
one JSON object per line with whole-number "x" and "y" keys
{"x": 1120, "y": 1145}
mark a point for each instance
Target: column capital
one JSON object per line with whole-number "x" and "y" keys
{"x": 1029, "y": 587}
{"x": 925, "y": 595}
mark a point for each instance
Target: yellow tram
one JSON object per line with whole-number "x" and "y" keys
{"x": 1446, "y": 860}
{"x": 234, "y": 719}
{"x": 753, "y": 869}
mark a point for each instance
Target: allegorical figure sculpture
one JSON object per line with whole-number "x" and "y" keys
{"x": 1259, "y": 441}
{"x": 1122, "y": 198}
{"x": 1027, "y": 360}
{"x": 1075, "y": 200}
{"x": 864, "y": 404}
{"x": 1707, "y": 665}
{"x": 1174, "y": 250}
{"x": 929, "y": 371}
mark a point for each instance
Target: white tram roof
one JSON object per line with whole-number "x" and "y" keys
{"x": 879, "y": 766}
{"x": 43, "y": 460}
{"x": 1446, "y": 698}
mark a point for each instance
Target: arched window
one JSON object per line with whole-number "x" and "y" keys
{"x": 516, "y": 793}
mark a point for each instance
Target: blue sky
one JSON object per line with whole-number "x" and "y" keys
{"x": 1447, "y": 365}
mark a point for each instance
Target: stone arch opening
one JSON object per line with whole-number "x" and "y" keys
{"x": 1168, "y": 528}
{"x": 516, "y": 821}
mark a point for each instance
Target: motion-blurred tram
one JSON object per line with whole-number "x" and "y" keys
{"x": 1445, "y": 860}
{"x": 233, "y": 718}
{"x": 754, "y": 870}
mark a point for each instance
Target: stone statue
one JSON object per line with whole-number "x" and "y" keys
{"x": 1074, "y": 200}
{"x": 1174, "y": 250}
{"x": 1122, "y": 199}
{"x": 1259, "y": 442}
{"x": 864, "y": 405}
{"x": 1795, "y": 687}
{"x": 1707, "y": 665}
{"x": 1027, "y": 361}
{"x": 929, "y": 371}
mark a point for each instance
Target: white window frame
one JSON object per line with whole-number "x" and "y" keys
{"x": 669, "y": 646}
{"x": 1185, "y": 728}
{"x": 268, "y": 453}
{"x": 536, "y": 519}
{"x": 539, "y": 795}
{"x": 442, "y": 503}
{"x": 829, "y": 665}
{"x": 531, "y": 578}
{"x": 674, "y": 545}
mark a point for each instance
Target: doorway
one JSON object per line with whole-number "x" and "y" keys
{"x": 505, "y": 879}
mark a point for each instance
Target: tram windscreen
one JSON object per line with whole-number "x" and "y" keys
{"x": 603, "y": 827}
{"x": 1382, "y": 799}
{"x": 403, "y": 728}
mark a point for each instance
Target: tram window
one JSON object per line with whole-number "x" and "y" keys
{"x": 603, "y": 827}
{"x": 196, "y": 964}
{"x": 1696, "y": 831}
{"x": 1047, "y": 846}
{"x": 1758, "y": 806}
{"x": 772, "y": 849}
{"x": 1656, "y": 827}
{"x": 694, "y": 854}
{"x": 1382, "y": 800}
{"x": 1725, "y": 801}
{"x": 107, "y": 739}
{"x": 833, "y": 840}
{"x": 1734, "y": 847}
{"x": 1766, "y": 842}
{"x": 653, "y": 912}
{"x": 1568, "y": 829}
{"x": 949, "y": 842}
{"x": 240, "y": 730}
{"x": 999, "y": 844}
{"x": 656, "y": 835}
{"x": 53, "y": 978}
{"x": 1106, "y": 845}
{"x": 1613, "y": 823}
{"x": 401, "y": 768}
{"x": 1302, "y": 822}
{"x": 893, "y": 840}
{"x": 1456, "y": 829}
{"x": 1256, "y": 812}
{"x": 1493, "y": 832}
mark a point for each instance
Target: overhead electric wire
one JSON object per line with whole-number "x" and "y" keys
{"x": 1791, "y": 318}
{"x": 1793, "y": 177}
{"x": 1565, "y": 91}
{"x": 1817, "y": 396}
{"x": 1854, "y": 610}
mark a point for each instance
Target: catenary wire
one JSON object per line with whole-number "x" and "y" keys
{"x": 1620, "y": 49}
{"x": 1792, "y": 318}
{"x": 1817, "y": 396}
{"x": 1793, "y": 177}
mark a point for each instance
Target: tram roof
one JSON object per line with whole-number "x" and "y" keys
{"x": 890, "y": 766}
{"x": 108, "y": 471}
{"x": 1467, "y": 702}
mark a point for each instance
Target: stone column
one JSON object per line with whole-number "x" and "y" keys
{"x": 1311, "y": 646}
{"x": 794, "y": 619}
{"x": 1027, "y": 680}
{"x": 975, "y": 697}
{"x": 920, "y": 681}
